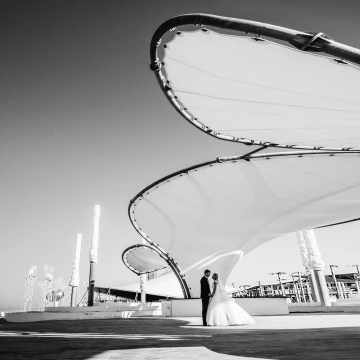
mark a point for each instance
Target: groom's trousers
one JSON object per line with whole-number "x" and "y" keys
{"x": 205, "y": 305}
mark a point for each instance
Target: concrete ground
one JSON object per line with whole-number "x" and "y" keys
{"x": 292, "y": 337}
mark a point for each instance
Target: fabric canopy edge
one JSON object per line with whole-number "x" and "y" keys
{"x": 246, "y": 157}
{"x": 139, "y": 246}
{"x": 303, "y": 41}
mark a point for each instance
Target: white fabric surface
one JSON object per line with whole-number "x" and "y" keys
{"x": 211, "y": 217}
{"x": 259, "y": 90}
{"x": 144, "y": 260}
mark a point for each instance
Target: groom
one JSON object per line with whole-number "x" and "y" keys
{"x": 205, "y": 294}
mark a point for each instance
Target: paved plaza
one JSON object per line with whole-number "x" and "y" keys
{"x": 315, "y": 336}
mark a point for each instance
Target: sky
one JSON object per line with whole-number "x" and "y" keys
{"x": 83, "y": 122}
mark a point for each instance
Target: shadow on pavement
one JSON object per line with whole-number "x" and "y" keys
{"x": 87, "y": 338}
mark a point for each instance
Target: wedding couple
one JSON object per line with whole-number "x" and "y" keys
{"x": 218, "y": 309}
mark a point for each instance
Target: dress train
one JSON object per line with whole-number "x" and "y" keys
{"x": 223, "y": 310}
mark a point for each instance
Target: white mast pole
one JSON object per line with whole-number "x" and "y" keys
{"x": 304, "y": 256}
{"x": 317, "y": 265}
{"x": 75, "y": 278}
{"x": 143, "y": 281}
{"x": 93, "y": 254}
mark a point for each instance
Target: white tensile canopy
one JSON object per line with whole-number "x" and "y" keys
{"x": 250, "y": 90}
{"x": 240, "y": 89}
{"x": 142, "y": 259}
{"x": 211, "y": 215}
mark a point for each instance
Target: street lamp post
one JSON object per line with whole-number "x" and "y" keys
{"x": 357, "y": 268}
{"x": 299, "y": 275}
{"x": 334, "y": 278}
{"x": 357, "y": 278}
{"x": 281, "y": 284}
{"x": 308, "y": 288}
{"x": 298, "y": 299}
{"x": 301, "y": 285}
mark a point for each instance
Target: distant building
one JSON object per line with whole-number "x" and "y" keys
{"x": 299, "y": 290}
{"x": 347, "y": 284}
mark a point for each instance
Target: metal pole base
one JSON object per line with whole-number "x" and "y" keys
{"x": 314, "y": 287}
{"x": 323, "y": 290}
{"x": 143, "y": 297}
{"x": 91, "y": 284}
{"x": 73, "y": 296}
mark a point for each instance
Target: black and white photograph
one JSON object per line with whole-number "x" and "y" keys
{"x": 179, "y": 179}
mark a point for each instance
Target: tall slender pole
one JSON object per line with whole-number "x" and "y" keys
{"x": 93, "y": 254}
{"x": 314, "y": 288}
{"x": 281, "y": 287}
{"x": 357, "y": 278}
{"x": 301, "y": 286}
{"x": 143, "y": 281}
{"x": 343, "y": 290}
{"x": 296, "y": 290}
{"x": 323, "y": 293}
{"x": 317, "y": 265}
{"x": 307, "y": 253}
{"x": 281, "y": 284}
{"x": 336, "y": 284}
{"x": 75, "y": 279}
{"x": 357, "y": 268}
{"x": 308, "y": 289}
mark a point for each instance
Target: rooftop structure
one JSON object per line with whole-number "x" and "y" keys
{"x": 247, "y": 89}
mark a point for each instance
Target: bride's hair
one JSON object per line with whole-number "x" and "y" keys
{"x": 215, "y": 276}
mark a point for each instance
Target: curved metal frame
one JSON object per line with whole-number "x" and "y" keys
{"x": 303, "y": 41}
{"x": 137, "y": 246}
{"x": 247, "y": 157}
{"x": 168, "y": 259}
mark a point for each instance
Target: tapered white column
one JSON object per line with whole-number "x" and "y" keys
{"x": 303, "y": 250}
{"x": 313, "y": 286}
{"x": 143, "y": 281}
{"x": 93, "y": 254}
{"x": 75, "y": 278}
{"x": 306, "y": 262}
{"x": 317, "y": 265}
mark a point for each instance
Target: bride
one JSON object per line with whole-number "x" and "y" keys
{"x": 223, "y": 310}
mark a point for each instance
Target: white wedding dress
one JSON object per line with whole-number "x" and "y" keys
{"x": 223, "y": 310}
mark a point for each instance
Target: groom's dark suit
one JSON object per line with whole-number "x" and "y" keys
{"x": 205, "y": 291}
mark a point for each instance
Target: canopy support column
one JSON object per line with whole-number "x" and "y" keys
{"x": 314, "y": 288}
{"x": 316, "y": 264}
{"x": 323, "y": 293}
